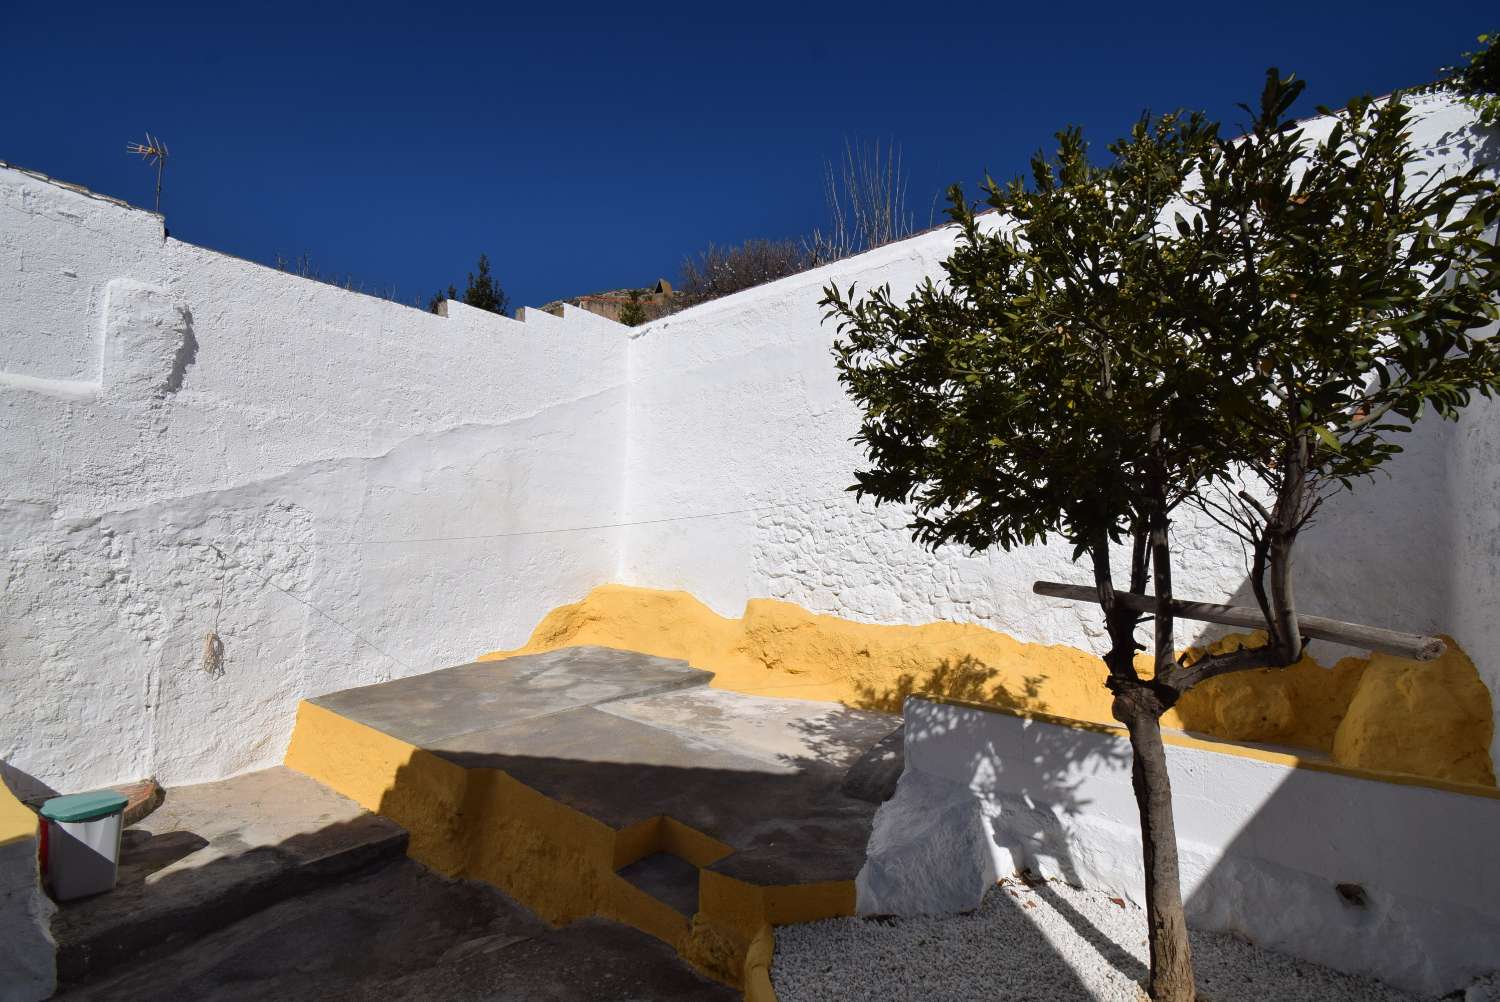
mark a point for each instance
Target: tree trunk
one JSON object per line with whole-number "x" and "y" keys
{"x": 1139, "y": 704}
{"x": 1171, "y": 955}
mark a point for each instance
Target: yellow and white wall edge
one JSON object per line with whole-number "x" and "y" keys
{"x": 1266, "y": 836}
{"x": 482, "y": 824}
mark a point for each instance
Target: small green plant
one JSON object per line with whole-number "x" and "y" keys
{"x": 633, "y": 313}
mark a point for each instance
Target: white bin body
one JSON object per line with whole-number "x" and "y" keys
{"x": 83, "y": 857}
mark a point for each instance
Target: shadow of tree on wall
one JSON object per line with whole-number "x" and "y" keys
{"x": 1036, "y": 778}
{"x": 1024, "y": 786}
{"x": 966, "y": 678}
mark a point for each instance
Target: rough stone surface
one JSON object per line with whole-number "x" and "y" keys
{"x": 1400, "y": 703}
{"x": 1035, "y": 942}
{"x": 1264, "y": 844}
{"x": 1442, "y": 714}
{"x": 1486, "y": 989}
{"x": 341, "y": 489}
{"x": 929, "y": 851}
{"x": 213, "y": 853}
{"x": 404, "y": 934}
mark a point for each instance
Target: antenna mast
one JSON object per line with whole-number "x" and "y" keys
{"x": 153, "y": 151}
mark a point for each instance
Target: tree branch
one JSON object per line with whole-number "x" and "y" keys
{"x": 1371, "y": 638}
{"x": 1184, "y": 677}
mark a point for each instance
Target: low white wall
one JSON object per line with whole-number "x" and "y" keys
{"x": 343, "y": 489}
{"x": 1264, "y": 844}
{"x": 740, "y": 453}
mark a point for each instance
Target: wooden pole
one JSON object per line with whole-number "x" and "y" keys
{"x": 1406, "y": 645}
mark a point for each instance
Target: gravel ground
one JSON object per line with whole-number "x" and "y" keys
{"x": 1046, "y": 942}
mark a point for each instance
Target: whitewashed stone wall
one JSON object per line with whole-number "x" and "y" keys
{"x": 735, "y": 406}
{"x": 346, "y": 490}
{"x": 1264, "y": 846}
{"x": 343, "y": 489}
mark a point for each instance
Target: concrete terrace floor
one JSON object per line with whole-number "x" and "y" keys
{"x": 269, "y": 886}
{"x": 623, "y": 737}
{"x": 404, "y": 934}
{"x": 272, "y": 886}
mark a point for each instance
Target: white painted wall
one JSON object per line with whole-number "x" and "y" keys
{"x": 735, "y": 406}
{"x": 1263, "y": 845}
{"x": 193, "y": 442}
{"x": 383, "y": 488}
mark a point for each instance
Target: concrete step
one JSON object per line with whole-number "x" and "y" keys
{"x": 669, "y": 879}
{"x": 212, "y": 854}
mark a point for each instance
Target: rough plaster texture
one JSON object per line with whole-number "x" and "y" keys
{"x": 345, "y": 490}
{"x": 1430, "y": 718}
{"x": 1264, "y": 845}
{"x": 735, "y": 406}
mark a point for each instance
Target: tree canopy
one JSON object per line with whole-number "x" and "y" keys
{"x": 481, "y": 291}
{"x": 1237, "y": 323}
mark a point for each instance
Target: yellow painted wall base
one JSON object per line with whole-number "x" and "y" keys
{"x": 1431, "y": 720}
{"x": 17, "y": 821}
{"x": 483, "y": 824}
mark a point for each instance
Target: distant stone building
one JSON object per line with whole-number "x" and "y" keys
{"x": 655, "y": 300}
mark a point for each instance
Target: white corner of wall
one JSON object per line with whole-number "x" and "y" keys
{"x": 538, "y": 319}
{"x": 578, "y": 316}
{"x": 473, "y": 318}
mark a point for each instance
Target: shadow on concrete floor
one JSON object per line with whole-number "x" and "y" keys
{"x": 404, "y": 934}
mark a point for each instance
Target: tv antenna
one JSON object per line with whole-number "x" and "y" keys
{"x": 153, "y": 151}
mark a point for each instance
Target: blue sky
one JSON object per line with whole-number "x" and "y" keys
{"x": 588, "y": 149}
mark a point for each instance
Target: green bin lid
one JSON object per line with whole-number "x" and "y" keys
{"x": 84, "y": 806}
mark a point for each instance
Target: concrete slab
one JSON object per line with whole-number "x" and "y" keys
{"x": 786, "y": 733}
{"x": 623, "y": 738}
{"x": 213, "y": 853}
{"x": 874, "y": 775}
{"x": 566, "y": 741}
{"x": 404, "y": 934}
{"x": 441, "y": 705}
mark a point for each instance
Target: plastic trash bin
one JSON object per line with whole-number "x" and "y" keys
{"x": 81, "y": 847}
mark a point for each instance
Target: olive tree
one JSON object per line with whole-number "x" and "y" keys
{"x": 1120, "y": 339}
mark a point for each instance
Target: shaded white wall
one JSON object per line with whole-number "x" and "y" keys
{"x": 193, "y": 442}
{"x": 1263, "y": 845}
{"x": 735, "y": 405}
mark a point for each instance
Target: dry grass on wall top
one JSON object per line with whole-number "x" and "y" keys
{"x": 1383, "y": 713}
